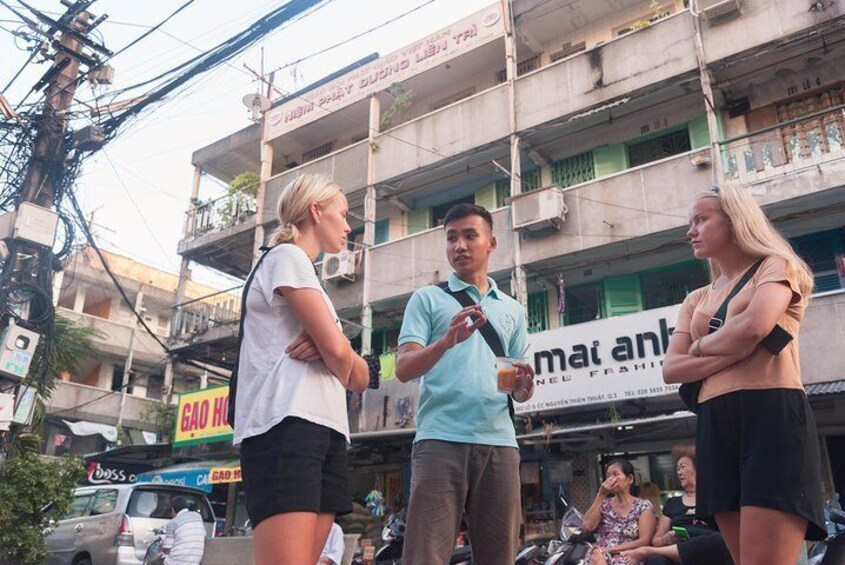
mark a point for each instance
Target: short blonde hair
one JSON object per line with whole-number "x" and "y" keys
{"x": 296, "y": 201}
{"x": 755, "y": 235}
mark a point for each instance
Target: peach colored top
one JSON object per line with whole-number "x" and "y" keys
{"x": 761, "y": 370}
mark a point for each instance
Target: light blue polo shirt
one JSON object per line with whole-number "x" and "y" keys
{"x": 459, "y": 400}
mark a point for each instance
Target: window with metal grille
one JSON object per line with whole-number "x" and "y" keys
{"x": 568, "y": 49}
{"x": 816, "y": 136}
{"x": 522, "y": 67}
{"x": 583, "y": 303}
{"x": 438, "y": 213}
{"x": 657, "y": 148}
{"x": 317, "y": 152}
{"x": 530, "y": 181}
{"x": 574, "y": 170}
{"x": 824, "y": 253}
{"x": 538, "y": 312}
{"x": 671, "y": 285}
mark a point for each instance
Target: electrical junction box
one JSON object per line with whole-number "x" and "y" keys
{"x": 17, "y": 348}
{"x": 30, "y": 222}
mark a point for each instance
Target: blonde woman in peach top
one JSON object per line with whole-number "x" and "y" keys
{"x": 758, "y": 454}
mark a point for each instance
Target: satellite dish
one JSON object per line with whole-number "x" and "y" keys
{"x": 257, "y": 104}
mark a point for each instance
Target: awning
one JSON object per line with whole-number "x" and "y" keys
{"x": 84, "y": 428}
{"x": 830, "y": 387}
{"x": 197, "y": 474}
{"x": 622, "y": 424}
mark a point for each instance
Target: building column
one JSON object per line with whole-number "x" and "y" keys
{"x": 79, "y": 299}
{"x": 266, "y": 173}
{"x": 718, "y": 174}
{"x": 369, "y": 230}
{"x": 519, "y": 283}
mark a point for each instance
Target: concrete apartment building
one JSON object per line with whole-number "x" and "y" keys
{"x": 85, "y": 407}
{"x": 587, "y": 127}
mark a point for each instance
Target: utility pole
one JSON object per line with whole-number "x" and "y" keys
{"x": 45, "y": 165}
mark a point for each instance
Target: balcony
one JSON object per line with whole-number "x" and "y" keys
{"x": 97, "y": 405}
{"x": 220, "y": 234}
{"x": 762, "y": 22}
{"x": 347, "y": 167}
{"x": 794, "y": 158}
{"x": 633, "y": 203}
{"x": 400, "y": 267}
{"x": 455, "y": 129}
{"x": 632, "y": 63}
{"x": 823, "y": 332}
{"x": 115, "y": 337}
{"x": 206, "y": 329}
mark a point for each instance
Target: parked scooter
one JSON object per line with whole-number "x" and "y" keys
{"x": 573, "y": 545}
{"x": 393, "y": 535}
{"x": 154, "y": 554}
{"x": 832, "y": 550}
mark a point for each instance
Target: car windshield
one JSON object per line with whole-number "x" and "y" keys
{"x": 156, "y": 504}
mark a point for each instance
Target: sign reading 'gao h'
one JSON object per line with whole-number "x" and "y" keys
{"x": 461, "y": 37}
{"x": 202, "y": 417}
{"x": 603, "y": 361}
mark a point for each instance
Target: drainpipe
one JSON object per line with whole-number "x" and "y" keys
{"x": 519, "y": 284}
{"x": 709, "y": 102}
{"x": 369, "y": 229}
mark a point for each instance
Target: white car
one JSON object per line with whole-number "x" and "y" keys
{"x": 113, "y": 524}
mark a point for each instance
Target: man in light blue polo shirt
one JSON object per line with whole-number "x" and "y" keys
{"x": 465, "y": 456}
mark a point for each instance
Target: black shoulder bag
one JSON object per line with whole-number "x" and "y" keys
{"x": 488, "y": 332}
{"x": 233, "y": 380}
{"x": 689, "y": 391}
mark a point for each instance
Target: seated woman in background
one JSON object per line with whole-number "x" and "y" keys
{"x": 704, "y": 546}
{"x": 620, "y": 519}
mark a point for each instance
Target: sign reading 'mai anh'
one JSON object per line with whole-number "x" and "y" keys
{"x": 603, "y": 361}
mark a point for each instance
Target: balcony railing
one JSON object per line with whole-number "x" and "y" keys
{"x": 796, "y": 144}
{"x": 220, "y": 213}
{"x": 198, "y": 316}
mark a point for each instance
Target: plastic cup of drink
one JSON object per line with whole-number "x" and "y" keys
{"x": 506, "y": 373}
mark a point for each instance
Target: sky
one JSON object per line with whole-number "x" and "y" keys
{"x": 138, "y": 187}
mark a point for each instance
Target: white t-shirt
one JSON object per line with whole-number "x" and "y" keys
{"x": 271, "y": 385}
{"x": 335, "y": 546}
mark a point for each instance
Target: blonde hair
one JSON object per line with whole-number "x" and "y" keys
{"x": 755, "y": 235}
{"x": 295, "y": 205}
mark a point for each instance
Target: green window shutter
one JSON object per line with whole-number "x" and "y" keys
{"x": 610, "y": 159}
{"x": 574, "y": 170}
{"x": 538, "y": 312}
{"x": 503, "y": 191}
{"x": 622, "y": 295}
{"x": 531, "y": 180}
{"x": 486, "y": 197}
{"x": 382, "y": 231}
{"x": 698, "y": 133}
{"x": 419, "y": 220}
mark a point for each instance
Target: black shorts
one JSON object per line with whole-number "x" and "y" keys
{"x": 760, "y": 448}
{"x": 295, "y": 466}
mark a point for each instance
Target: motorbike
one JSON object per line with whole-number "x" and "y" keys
{"x": 154, "y": 555}
{"x": 393, "y": 535}
{"x": 831, "y": 551}
{"x": 574, "y": 543}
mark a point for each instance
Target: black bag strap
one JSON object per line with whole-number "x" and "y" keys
{"x": 718, "y": 318}
{"x": 233, "y": 380}
{"x": 488, "y": 332}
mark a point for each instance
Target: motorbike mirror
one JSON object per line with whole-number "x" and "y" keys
{"x": 837, "y": 517}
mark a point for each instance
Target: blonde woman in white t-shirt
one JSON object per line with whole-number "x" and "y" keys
{"x": 295, "y": 366}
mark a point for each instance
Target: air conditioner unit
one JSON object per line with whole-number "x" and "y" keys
{"x": 339, "y": 266}
{"x": 539, "y": 209}
{"x": 718, "y": 10}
